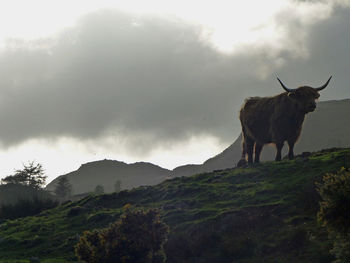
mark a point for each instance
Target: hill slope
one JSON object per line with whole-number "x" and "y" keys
{"x": 263, "y": 213}
{"x": 107, "y": 172}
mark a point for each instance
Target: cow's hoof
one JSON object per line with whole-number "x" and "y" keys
{"x": 242, "y": 163}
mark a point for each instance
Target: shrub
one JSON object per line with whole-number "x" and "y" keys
{"x": 334, "y": 211}
{"x": 137, "y": 237}
{"x": 76, "y": 210}
{"x": 26, "y": 207}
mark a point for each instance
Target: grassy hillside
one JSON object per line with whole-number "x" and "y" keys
{"x": 264, "y": 213}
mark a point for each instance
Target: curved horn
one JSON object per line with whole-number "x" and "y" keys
{"x": 284, "y": 87}
{"x": 324, "y": 85}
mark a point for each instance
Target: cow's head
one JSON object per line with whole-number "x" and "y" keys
{"x": 305, "y": 97}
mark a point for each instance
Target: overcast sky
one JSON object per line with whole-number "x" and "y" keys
{"x": 160, "y": 82}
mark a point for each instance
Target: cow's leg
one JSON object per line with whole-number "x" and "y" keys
{"x": 279, "y": 147}
{"x": 258, "y": 148}
{"x": 291, "y": 149}
{"x": 244, "y": 149}
{"x": 249, "y": 144}
{"x": 242, "y": 162}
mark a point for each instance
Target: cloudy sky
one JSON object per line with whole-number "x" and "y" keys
{"x": 159, "y": 81}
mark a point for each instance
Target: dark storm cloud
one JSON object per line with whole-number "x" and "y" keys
{"x": 328, "y": 44}
{"x": 150, "y": 78}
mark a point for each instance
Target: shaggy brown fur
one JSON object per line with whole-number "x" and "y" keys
{"x": 274, "y": 120}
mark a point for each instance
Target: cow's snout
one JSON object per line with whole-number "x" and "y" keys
{"x": 312, "y": 106}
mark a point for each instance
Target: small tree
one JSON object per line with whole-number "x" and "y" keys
{"x": 63, "y": 188}
{"x": 137, "y": 237}
{"x": 334, "y": 211}
{"x": 118, "y": 186}
{"x": 25, "y": 195}
{"x": 31, "y": 175}
{"x": 99, "y": 190}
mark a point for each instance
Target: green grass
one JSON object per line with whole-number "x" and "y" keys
{"x": 263, "y": 213}
{"x": 52, "y": 260}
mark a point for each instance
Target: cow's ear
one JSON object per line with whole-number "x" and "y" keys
{"x": 293, "y": 94}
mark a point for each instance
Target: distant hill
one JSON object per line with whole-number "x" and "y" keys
{"x": 327, "y": 127}
{"x": 262, "y": 213}
{"x": 107, "y": 172}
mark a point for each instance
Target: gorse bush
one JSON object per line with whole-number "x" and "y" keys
{"x": 335, "y": 205}
{"x": 334, "y": 211}
{"x": 137, "y": 237}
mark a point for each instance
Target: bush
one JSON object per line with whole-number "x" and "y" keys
{"x": 26, "y": 207}
{"x": 137, "y": 237}
{"x": 334, "y": 211}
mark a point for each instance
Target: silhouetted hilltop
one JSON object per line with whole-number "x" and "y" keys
{"x": 107, "y": 172}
